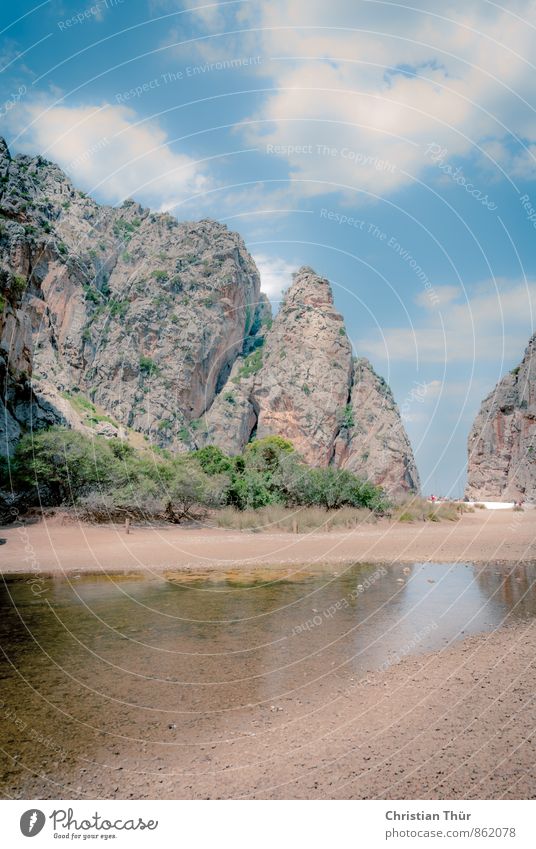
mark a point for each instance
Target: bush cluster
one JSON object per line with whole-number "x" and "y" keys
{"x": 109, "y": 479}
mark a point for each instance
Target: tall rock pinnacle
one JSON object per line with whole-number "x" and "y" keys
{"x": 302, "y": 389}
{"x": 304, "y": 385}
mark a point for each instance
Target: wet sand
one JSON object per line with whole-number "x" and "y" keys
{"x": 458, "y": 722}
{"x": 454, "y": 724}
{"x": 50, "y": 547}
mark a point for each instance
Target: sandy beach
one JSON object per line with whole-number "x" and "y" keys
{"x": 51, "y": 546}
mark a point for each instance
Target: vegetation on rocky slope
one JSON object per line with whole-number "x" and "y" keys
{"x": 107, "y": 479}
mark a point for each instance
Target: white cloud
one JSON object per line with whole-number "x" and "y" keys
{"x": 495, "y": 323}
{"x": 384, "y": 83}
{"x": 421, "y": 393}
{"x": 209, "y": 14}
{"x": 431, "y": 390}
{"x": 276, "y": 275}
{"x": 105, "y": 151}
{"x": 442, "y": 295}
{"x": 517, "y": 164}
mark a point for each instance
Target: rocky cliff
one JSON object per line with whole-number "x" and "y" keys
{"x": 141, "y": 314}
{"x": 373, "y": 442}
{"x": 302, "y": 383}
{"x": 122, "y": 321}
{"x": 502, "y": 442}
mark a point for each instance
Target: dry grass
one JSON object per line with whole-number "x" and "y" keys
{"x": 305, "y": 519}
{"x": 276, "y": 517}
{"x": 298, "y": 520}
{"x": 419, "y": 509}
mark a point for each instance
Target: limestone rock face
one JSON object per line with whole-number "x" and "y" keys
{"x": 373, "y": 443}
{"x": 502, "y": 442}
{"x": 232, "y": 418}
{"x": 15, "y": 325}
{"x": 143, "y": 314}
{"x": 303, "y": 384}
{"x": 119, "y": 320}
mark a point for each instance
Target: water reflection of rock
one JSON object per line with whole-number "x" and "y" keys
{"x": 511, "y": 589}
{"x": 150, "y": 642}
{"x": 326, "y": 628}
{"x": 218, "y": 644}
{"x": 96, "y": 661}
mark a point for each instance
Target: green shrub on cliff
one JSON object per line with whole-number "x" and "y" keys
{"x": 251, "y": 365}
{"x": 148, "y": 366}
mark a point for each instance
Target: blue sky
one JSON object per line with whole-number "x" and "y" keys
{"x": 389, "y": 145}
